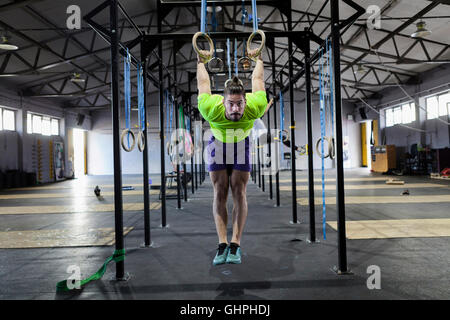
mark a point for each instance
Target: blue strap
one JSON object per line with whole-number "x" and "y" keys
{"x": 228, "y": 58}
{"x": 322, "y": 135}
{"x": 203, "y": 17}
{"x": 254, "y": 16}
{"x": 281, "y": 122}
{"x": 166, "y": 99}
{"x": 141, "y": 109}
{"x": 235, "y": 58}
{"x": 127, "y": 89}
{"x": 171, "y": 113}
{"x": 330, "y": 66}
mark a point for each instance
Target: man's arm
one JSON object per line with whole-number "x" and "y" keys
{"x": 258, "y": 76}
{"x": 268, "y": 106}
{"x": 203, "y": 82}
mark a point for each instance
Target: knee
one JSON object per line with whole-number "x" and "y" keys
{"x": 239, "y": 191}
{"x": 221, "y": 193}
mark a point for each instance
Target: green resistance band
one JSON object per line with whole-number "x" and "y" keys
{"x": 119, "y": 255}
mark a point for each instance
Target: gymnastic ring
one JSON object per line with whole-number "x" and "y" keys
{"x": 244, "y": 64}
{"x": 205, "y": 59}
{"x": 331, "y": 152}
{"x": 332, "y": 149}
{"x": 141, "y": 141}
{"x": 217, "y": 68}
{"x": 240, "y": 82}
{"x": 124, "y": 134}
{"x": 286, "y": 136}
{"x": 261, "y": 47}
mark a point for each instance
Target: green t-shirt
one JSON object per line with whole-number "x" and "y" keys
{"x": 212, "y": 109}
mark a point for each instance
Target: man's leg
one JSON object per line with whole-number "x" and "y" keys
{"x": 238, "y": 181}
{"x": 220, "y": 183}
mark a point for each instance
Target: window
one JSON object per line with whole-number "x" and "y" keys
{"x": 432, "y": 107}
{"x": 55, "y": 127}
{"x": 437, "y": 105}
{"x": 46, "y": 126}
{"x": 402, "y": 114}
{"x": 7, "y": 120}
{"x": 444, "y": 100}
{"x": 36, "y": 124}
{"x": 389, "y": 117}
{"x": 46, "y": 129}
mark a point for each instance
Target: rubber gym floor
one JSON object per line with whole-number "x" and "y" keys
{"x": 46, "y": 229}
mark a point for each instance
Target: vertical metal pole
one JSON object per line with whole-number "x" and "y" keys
{"x": 147, "y": 241}
{"x": 177, "y": 124}
{"x": 292, "y": 111}
{"x": 340, "y": 200}
{"x": 277, "y": 151}
{"x": 312, "y": 218}
{"x": 118, "y": 205}
{"x": 269, "y": 142}
{"x": 161, "y": 124}
{"x": 259, "y": 163}
{"x": 193, "y": 154}
{"x": 262, "y": 168}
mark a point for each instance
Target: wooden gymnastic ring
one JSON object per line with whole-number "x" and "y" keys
{"x": 331, "y": 150}
{"x": 124, "y": 134}
{"x": 141, "y": 141}
{"x": 205, "y": 59}
{"x": 219, "y": 63}
{"x": 261, "y": 47}
{"x": 244, "y": 64}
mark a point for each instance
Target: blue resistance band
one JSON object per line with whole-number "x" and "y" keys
{"x": 171, "y": 112}
{"x": 127, "y": 89}
{"x": 322, "y": 136}
{"x": 141, "y": 109}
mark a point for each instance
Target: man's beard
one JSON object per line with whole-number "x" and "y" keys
{"x": 235, "y": 117}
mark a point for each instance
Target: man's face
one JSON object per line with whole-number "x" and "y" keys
{"x": 234, "y": 106}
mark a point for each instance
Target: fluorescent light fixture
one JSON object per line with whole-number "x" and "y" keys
{"x": 77, "y": 78}
{"x": 421, "y": 30}
{"x": 360, "y": 69}
{"x": 5, "y": 45}
{"x": 209, "y": 9}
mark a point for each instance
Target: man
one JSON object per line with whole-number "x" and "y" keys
{"x": 231, "y": 118}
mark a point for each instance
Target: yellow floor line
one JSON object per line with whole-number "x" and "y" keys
{"x": 74, "y": 237}
{"x": 403, "y": 228}
{"x": 370, "y": 186}
{"x": 379, "y": 199}
{"x": 78, "y": 194}
{"x": 75, "y": 208}
{"x": 334, "y": 179}
{"x": 73, "y": 186}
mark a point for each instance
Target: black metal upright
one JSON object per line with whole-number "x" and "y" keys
{"x": 258, "y": 149}
{"x": 312, "y": 218}
{"x": 340, "y": 192}
{"x": 292, "y": 111}
{"x": 161, "y": 124}
{"x": 118, "y": 204}
{"x": 277, "y": 150}
{"x": 269, "y": 143}
{"x": 147, "y": 238}
{"x": 177, "y": 126}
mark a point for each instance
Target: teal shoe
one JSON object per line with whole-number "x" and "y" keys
{"x": 234, "y": 255}
{"x": 221, "y": 255}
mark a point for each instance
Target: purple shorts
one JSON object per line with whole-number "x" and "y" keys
{"x": 238, "y": 157}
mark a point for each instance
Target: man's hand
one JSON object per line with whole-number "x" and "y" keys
{"x": 252, "y": 54}
{"x": 269, "y": 105}
{"x": 203, "y": 53}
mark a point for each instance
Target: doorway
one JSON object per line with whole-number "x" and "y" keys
{"x": 79, "y": 153}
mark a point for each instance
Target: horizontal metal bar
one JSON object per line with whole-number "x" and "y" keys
{"x": 225, "y": 35}
{"x": 218, "y": 2}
